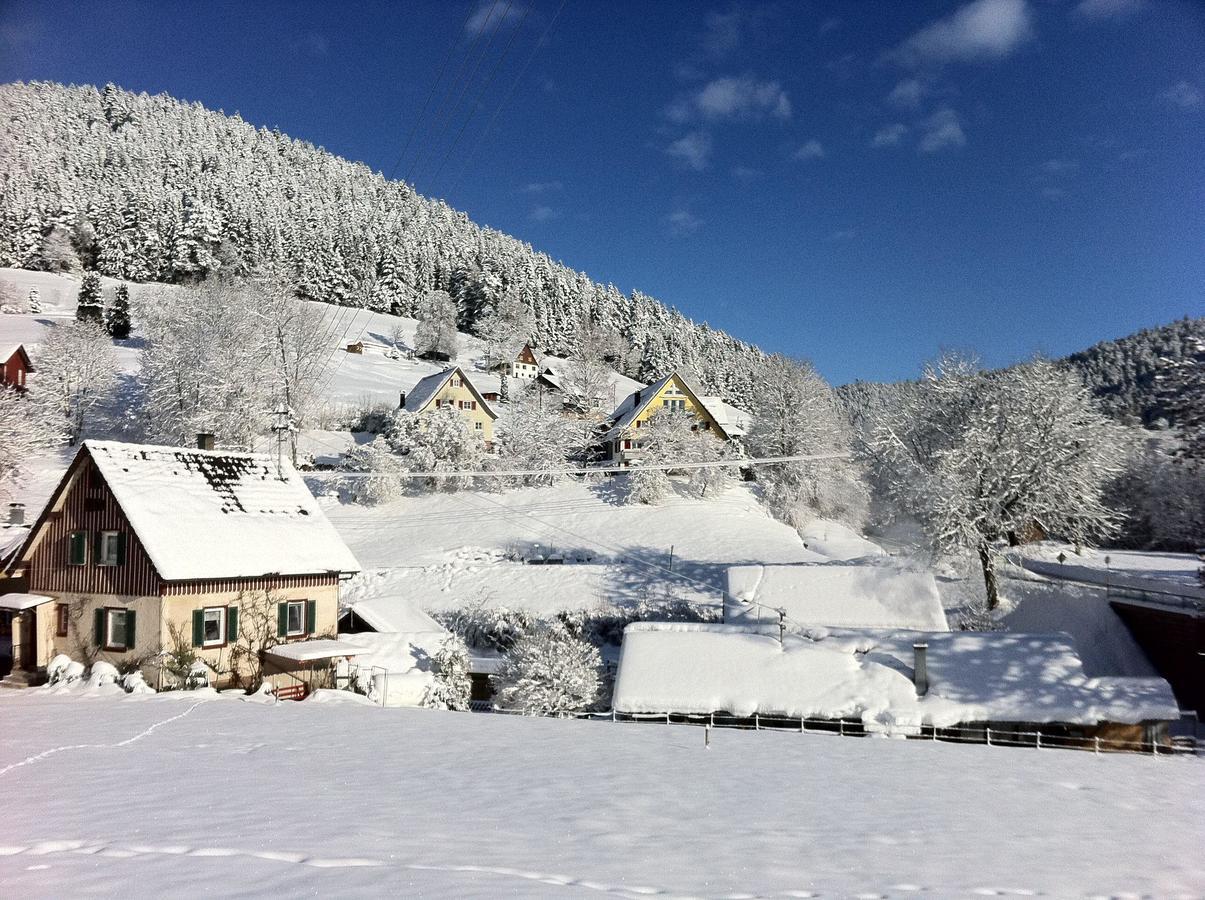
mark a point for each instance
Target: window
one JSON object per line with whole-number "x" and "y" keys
{"x": 674, "y": 404}
{"x": 114, "y": 629}
{"x": 295, "y": 618}
{"x": 77, "y": 548}
{"x": 213, "y": 626}
{"x": 62, "y": 620}
{"x": 477, "y": 426}
{"x": 110, "y": 548}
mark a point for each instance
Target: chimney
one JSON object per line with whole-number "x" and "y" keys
{"x": 401, "y": 402}
{"x": 638, "y": 395}
{"x": 16, "y": 514}
{"x": 920, "y": 668}
{"x": 204, "y": 440}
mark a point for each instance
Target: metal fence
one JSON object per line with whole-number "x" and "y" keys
{"x": 993, "y": 736}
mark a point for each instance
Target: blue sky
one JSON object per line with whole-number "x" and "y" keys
{"x": 859, "y": 183}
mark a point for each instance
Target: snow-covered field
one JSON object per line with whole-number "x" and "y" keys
{"x": 167, "y": 796}
{"x": 1118, "y": 568}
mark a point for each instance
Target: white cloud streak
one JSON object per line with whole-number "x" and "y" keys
{"x": 694, "y": 149}
{"x": 981, "y": 30}
{"x": 941, "y": 130}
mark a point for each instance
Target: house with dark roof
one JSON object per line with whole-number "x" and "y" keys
{"x": 147, "y": 554}
{"x": 522, "y": 365}
{"x": 677, "y": 391}
{"x": 454, "y": 389}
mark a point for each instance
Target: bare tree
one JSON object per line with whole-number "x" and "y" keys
{"x": 436, "y": 336}
{"x": 980, "y": 456}
{"x": 24, "y": 431}
{"x": 78, "y": 371}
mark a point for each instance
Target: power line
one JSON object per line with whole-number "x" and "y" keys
{"x": 590, "y": 470}
{"x": 481, "y": 136}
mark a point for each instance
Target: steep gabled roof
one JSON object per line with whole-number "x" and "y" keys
{"x": 421, "y": 395}
{"x": 631, "y": 409}
{"x": 210, "y": 514}
{"x": 8, "y": 351}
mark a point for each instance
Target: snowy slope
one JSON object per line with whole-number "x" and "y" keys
{"x": 239, "y": 799}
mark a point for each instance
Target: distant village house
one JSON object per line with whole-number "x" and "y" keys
{"x": 453, "y": 388}
{"x": 523, "y": 365}
{"x": 16, "y": 366}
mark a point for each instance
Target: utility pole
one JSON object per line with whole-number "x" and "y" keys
{"x": 282, "y": 425}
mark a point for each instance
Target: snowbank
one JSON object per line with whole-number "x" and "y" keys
{"x": 867, "y": 595}
{"x": 699, "y": 669}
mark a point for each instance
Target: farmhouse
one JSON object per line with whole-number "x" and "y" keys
{"x": 453, "y": 388}
{"x": 146, "y": 555}
{"x": 675, "y": 392}
{"x": 865, "y": 594}
{"x": 523, "y": 365}
{"x": 905, "y": 683}
{"x": 16, "y": 366}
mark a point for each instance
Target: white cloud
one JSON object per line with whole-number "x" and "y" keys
{"x": 543, "y": 214}
{"x": 1051, "y": 192}
{"x": 722, "y": 32}
{"x": 889, "y": 135}
{"x": 541, "y": 187}
{"x": 1102, "y": 10}
{"x": 492, "y": 14}
{"x": 942, "y": 129}
{"x": 682, "y": 221}
{"x": 1182, "y": 94}
{"x": 312, "y": 44}
{"x": 694, "y": 149}
{"x": 907, "y": 94}
{"x": 831, "y": 24}
{"x": 733, "y": 98}
{"x": 813, "y": 149}
{"x": 843, "y": 234}
{"x": 983, "y": 29}
{"x": 746, "y": 173}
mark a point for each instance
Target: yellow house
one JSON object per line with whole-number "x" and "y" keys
{"x": 453, "y": 388}
{"x": 674, "y": 392}
{"x": 145, "y": 556}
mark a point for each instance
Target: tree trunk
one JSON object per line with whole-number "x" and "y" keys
{"x": 989, "y": 575}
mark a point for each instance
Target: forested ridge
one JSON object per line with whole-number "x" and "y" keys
{"x": 150, "y": 188}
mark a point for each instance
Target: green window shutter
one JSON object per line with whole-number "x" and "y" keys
{"x": 282, "y": 619}
{"x": 231, "y": 624}
{"x": 198, "y": 627}
{"x": 78, "y": 554}
{"x": 311, "y": 615}
{"x": 121, "y": 548}
{"x": 131, "y": 639}
{"x": 98, "y": 627}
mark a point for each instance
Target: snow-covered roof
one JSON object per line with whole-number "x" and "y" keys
{"x": 11, "y": 539}
{"x": 973, "y": 677}
{"x": 19, "y": 602}
{"x": 861, "y": 594}
{"x": 8, "y": 351}
{"x": 422, "y": 393}
{"x": 203, "y": 514}
{"x": 307, "y": 651}
{"x": 630, "y": 409}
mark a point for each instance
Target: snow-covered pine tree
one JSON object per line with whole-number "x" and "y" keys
{"x": 91, "y": 306}
{"x": 549, "y": 672}
{"x": 117, "y": 316}
{"x": 452, "y": 687}
{"x": 35, "y": 301}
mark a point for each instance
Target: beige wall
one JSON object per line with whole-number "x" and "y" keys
{"x": 156, "y": 617}
{"x": 672, "y": 390}
{"x": 462, "y": 394}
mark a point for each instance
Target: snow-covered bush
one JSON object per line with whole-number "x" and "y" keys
{"x": 135, "y": 683}
{"x": 452, "y": 685}
{"x": 374, "y": 457}
{"x": 62, "y": 669}
{"x": 549, "y": 672}
{"x": 488, "y": 628}
{"x": 103, "y": 673}
{"x": 437, "y": 441}
{"x": 647, "y": 486}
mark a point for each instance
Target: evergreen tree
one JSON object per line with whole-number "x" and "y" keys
{"x": 453, "y": 685}
{"x": 91, "y": 306}
{"x": 117, "y": 316}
